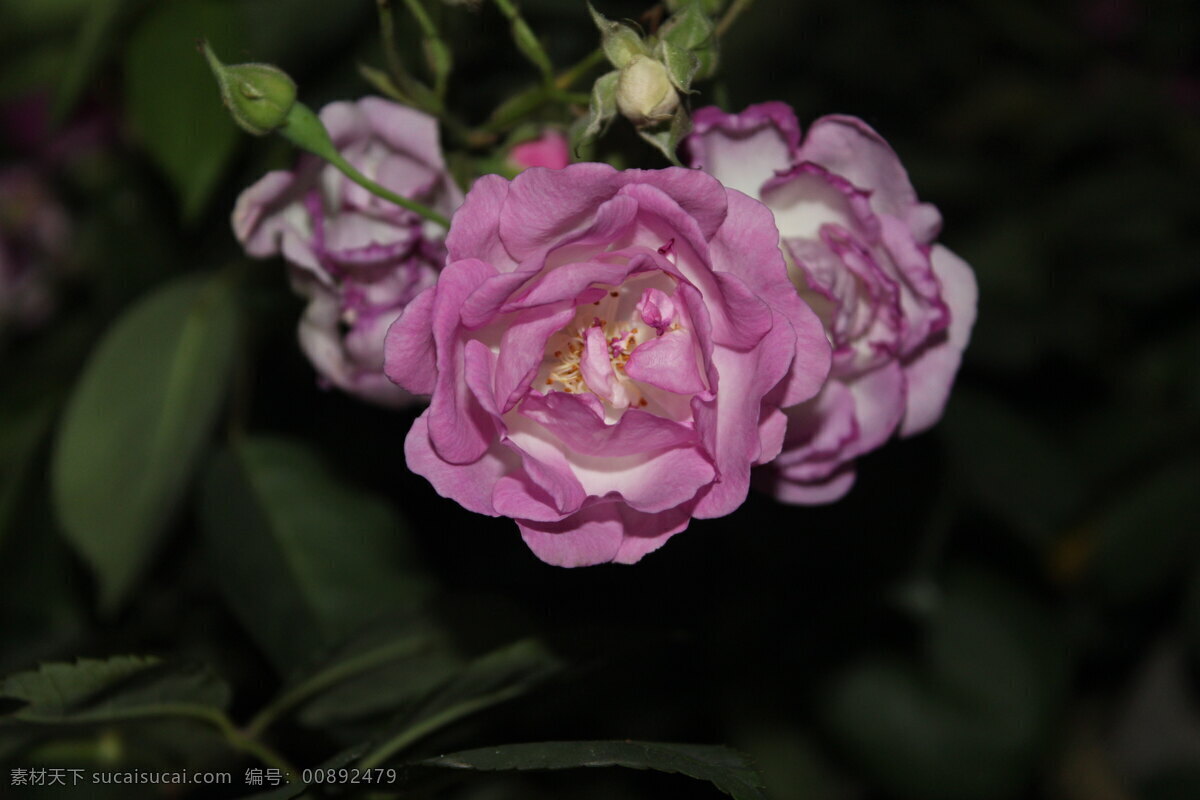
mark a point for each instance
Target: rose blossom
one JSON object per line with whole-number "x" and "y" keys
{"x": 897, "y": 308}
{"x": 607, "y": 353}
{"x": 359, "y": 259}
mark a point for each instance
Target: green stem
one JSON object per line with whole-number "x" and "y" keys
{"x": 422, "y": 729}
{"x": 331, "y": 677}
{"x": 436, "y": 49}
{"x": 567, "y": 78}
{"x": 374, "y": 188}
{"x": 732, "y": 14}
{"x": 526, "y": 42}
{"x": 305, "y": 130}
{"x": 387, "y": 29}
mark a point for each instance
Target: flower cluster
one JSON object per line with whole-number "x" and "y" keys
{"x": 608, "y": 354}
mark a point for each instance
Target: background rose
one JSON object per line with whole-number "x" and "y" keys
{"x": 897, "y": 308}
{"x": 607, "y": 353}
{"x": 358, "y": 259}
{"x": 35, "y": 234}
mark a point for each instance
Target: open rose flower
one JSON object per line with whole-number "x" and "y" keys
{"x": 607, "y": 353}
{"x": 358, "y": 258}
{"x": 897, "y": 308}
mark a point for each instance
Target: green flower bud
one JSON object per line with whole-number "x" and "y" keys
{"x": 645, "y": 94}
{"x": 258, "y": 96}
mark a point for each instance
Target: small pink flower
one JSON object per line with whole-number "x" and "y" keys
{"x": 548, "y": 150}
{"x": 607, "y": 353}
{"x": 358, "y": 259}
{"x": 897, "y": 308}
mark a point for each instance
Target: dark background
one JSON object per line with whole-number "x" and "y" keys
{"x": 1005, "y": 607}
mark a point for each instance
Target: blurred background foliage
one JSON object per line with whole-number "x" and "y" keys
{"x": 1006, "y": 607}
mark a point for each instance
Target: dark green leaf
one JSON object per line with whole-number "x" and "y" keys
{"x": 1146, "y": 538}
{"x": 385, "y": 687}
{"x": 1017, "y": 470}
{"x": 94, "y": 42}
{"x": 137, "y": 422}
{"x": 725, "y": 769}
{"x": 496, "y": 677}
{"x": 302, "y": 559}
{"x": 116, "y": 689}
{"x": 172, "y": 100}
{"x": 965, "y": 721}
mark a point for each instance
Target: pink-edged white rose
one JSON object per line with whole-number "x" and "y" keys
{"x": 358, "y": 258}
{"x": 607, "y": 354}
{"x": 897, "y": 307}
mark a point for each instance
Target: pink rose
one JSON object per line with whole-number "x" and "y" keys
{"x": 548, "y": 150}
{"x": 897, "y": 308}
{"x": 358, "y": 259}
{"x": 607, "y": 353}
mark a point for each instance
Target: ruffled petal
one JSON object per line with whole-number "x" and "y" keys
{"x": 930, "y": 373}
{"x": 744, "y": 150}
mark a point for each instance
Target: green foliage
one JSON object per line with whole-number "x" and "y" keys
{"x": 172, "y": 103}
{"x": 492, "y": 679}
{"x": 966, "y": 718}
{"x": 119, "y": 689}
{"x": 729, "y": 771}
{"x": 1146, "y": 538}
{"x": 302, "y": 559}
{"x": 138, "y": 421}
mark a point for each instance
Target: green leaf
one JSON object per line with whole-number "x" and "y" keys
{"x": 54, "y": 689}
{"x": 369, "y": 677}
{"x": 1017, "y": 470}
{"x": 172, "y": 102}
{"x": 667, "y": 140}
{"x": 1145, "y": 540}
{"x": 966, "y": 720}
{"x": 385, "y": 688}
{"x": 725, "y": 769}
{"x": 137, "y": 422}
{"x": 496, "y": 677}
{"x": 113, "y": 690}
{"x": 22, "y": 431}
{"x": 302, "y": 559}
{"x": 94, "y": 41}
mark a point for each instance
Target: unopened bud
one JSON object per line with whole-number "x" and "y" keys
{"x": 258, "y": 96}
{"x": 645, "y": 94}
